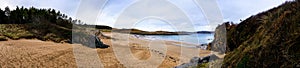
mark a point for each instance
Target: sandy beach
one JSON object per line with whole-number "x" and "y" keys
{"x": 124, "y": 51}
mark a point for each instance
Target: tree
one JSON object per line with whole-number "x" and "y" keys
{"x": 7, "y": 11}
{"x": 28, "y": 15}
{"x": 2, "y": 17}
{"x": 2, "y": 13}
{"x": 70, "y": 19}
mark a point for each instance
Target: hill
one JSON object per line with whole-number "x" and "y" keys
{"x": 141, "y": 32}
{"x": 46, "y": 25}
{"x": 205, "y": 32}
{"x": 43, "y": 24}
{"x": 268, "y": 39}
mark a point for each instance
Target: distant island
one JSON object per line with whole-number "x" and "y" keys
{"x": 104, "y": 28}
{"x": 205, "y": 32}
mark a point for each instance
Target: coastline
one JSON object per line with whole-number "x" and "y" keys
{"x": 184, "y": 44}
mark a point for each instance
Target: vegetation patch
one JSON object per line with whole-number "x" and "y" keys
{"x": 243, "y": 63}
{"x": 3, "y": 38}
{"x": 268, "y": 39}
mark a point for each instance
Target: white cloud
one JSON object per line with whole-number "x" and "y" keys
{"x": 242, "y": 9}
{"x": 160, "y": 9}
{"x": 68, "y": 7}
{"x": 5, "y": 3}
{"x": 231, "y": 10}
{"x": 154, "y": 25}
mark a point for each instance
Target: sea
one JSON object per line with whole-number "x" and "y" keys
{"x": 197, "y": 38}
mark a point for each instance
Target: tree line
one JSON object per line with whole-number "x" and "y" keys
{"x": 22, "y": 15}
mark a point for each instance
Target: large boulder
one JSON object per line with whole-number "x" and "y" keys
{"x": 88, "y": 40}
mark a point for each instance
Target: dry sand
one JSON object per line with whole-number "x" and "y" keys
{"x": 142, "y": 53}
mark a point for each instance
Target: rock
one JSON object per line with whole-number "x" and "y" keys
{"x": 197, "y": 60}
{"x": 193, "y": 62}
{"x": 91, "y": 41}
{"x": 202, "y": 46}
{"x": 206, "y": 59}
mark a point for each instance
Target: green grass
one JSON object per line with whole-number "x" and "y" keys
{"x": 243, "y": 63}
{"x": 42, "y": 31}
{"x": 3, "y": 38}
{"x": 105, "y": 30}
{"x": 203, "y": 65}
{"x": 14, "y": 31}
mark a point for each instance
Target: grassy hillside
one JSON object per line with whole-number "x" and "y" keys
{"x": 269, "y": 39}
{"x": 32, "y": 23}
{"x": 47, "y": 25}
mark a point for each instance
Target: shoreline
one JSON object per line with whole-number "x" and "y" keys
{"x": 175, "y": 55}
{"x": 189, "y": 44}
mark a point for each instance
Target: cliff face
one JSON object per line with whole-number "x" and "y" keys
{"x": 269, "y": 39}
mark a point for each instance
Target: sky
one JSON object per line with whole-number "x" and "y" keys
{"x": 182, "y": 13}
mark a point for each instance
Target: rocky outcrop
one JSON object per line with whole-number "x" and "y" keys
{"x": 219, "y": 44}
{"x": 195, "y": 61}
